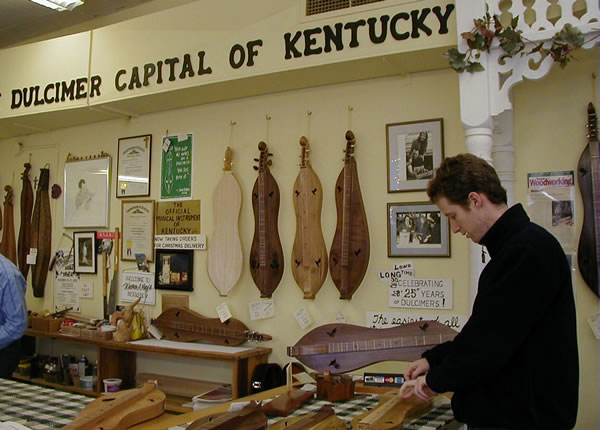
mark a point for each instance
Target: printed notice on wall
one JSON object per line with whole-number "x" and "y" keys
{"x": 551, "y": 204}
{"x": 394, "y": 319}
{"x": 176, "y": 167}
{"x": 136, "y": 285}
{"x": 178, "y": 218}
{"x": 68, "y": 288}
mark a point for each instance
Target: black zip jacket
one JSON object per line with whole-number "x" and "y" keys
{"x": 515, "y": 362}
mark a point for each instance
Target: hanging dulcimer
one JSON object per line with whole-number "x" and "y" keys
{"x": 184, "y": 325}
{"x": 119, "y": 411}
{"x": 309, "y": 255}
{"x": 266, "y": 255}
{"x": 341, "y": 348}
{"x": 588, "y": 176}
{"x": 24, "y": 241}
{"x": 349, "y": 254}
{"x": 41, "y": 233}
{"x": 8, "y": 247}
{"x": 391, "y": 412}
{"x": 225, "y": 250}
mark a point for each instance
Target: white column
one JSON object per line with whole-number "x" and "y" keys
{"x": 503, "y": 153}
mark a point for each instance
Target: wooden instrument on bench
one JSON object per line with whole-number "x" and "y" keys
{"x": 225, "y": 250}
{"x": 119, "y": 411}
{"x": 341, "y": 348}
{"x": 390, "y": 412}
{"x": 588, "y": 177}
{"x": 184, "y": 325}
{"x": 24, "y": 240}
{"x": 309, "y": 255}
{"x": 250, "y": 417}
{"x": 323, "y": 419}
{"x": 349, "y": 254}
{"x": 266, "y": 254}
{"x": 8, "y": 247}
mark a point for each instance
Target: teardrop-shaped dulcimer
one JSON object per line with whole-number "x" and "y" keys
{"x": 225, "y": 258}
{"x": 266, "y": 255}
{"x": 8, "y": 247}
{"x": 349, "y": 254}
{"x": 41, "y": 227}
{"x": 309, "y": 255}
{"x": 24, "y": 240}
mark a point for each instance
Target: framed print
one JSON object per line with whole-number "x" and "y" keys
{"x": 133, "y": 166}
{"x": 86, "y": 199}
{"x": 414, "y": 150}
{"x": 84, "y": 243}
{"x": 137, "y": 225}
{"x": 417, "y": 230}
{"x": 174, "y": 269}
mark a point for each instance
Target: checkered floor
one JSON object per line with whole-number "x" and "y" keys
{"x": 37, "y": 407}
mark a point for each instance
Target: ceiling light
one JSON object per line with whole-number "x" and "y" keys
{"x": 59, "y": 5}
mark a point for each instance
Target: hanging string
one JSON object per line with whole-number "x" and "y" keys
{"x": 483, "y": 253}
{"x": 350, "y": 109}
{"x": 231, "y": 125}
{"x": 268, "y": 118}
{"x": 308, "y": 115}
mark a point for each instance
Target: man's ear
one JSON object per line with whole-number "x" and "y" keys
{"x": 476, "y": 199}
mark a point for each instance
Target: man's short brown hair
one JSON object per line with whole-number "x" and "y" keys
{"x": 462, "y": 174}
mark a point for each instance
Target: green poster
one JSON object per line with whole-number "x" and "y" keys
{"x": 176, "y": 167}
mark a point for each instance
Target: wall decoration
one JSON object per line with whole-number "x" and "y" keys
{"x": 85, "y": 251}
{"x": 181, "y": 217}
{"x": 86, "y": 191}
{"x": 417, "y": 230}
{"x": 133, "y": 166}
{"x": 176, "y": 167}
{"x": 414, "y": 150}
{"x": 137, "y": 225}
{"x": 174, "y": 269}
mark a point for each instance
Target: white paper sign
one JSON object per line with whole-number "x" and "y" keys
{"x": 262, "y": 309}
{"x": 223, "y": 312}
{"x": 138, "y": 284}
{"x": 303, "y": 317}
{"x": 180, "y": 241}
{"x": 393, "y": 319}
{"x": 68, "y": 288}
{"x": 403, "y": 270}
{"x": 421, "y": 293}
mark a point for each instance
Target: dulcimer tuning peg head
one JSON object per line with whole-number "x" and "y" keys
{"x": 256, "y": 159}
{"x": 269, "y": 163}
{"x": 269, "y": 154}
{"x": 255, "y": 168}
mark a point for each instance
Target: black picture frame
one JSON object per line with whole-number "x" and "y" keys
{"x": 174, "y": 269}
{"x": 85, "y": 252}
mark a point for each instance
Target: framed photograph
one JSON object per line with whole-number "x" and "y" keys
{"x": 174, "y": 269}
{"x": 84, "y": 243}
{"x": 133, "y": 166}
{"x": 137, "y": 225}
{"x": 86, "y": 198}
{"x": 414, "y": 150}
{"x": 417, "y": 230}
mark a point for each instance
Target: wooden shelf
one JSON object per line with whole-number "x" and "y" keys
{"x": 118, "y": 360}
{"x": 70, "y": 388}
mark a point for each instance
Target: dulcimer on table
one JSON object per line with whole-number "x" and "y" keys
{"x": 225, "y": 251}
{"x": 323, "y": 419}
{"x": 184, "y": 325}
{"x": 349, "y": 254}
{"x": 309, "y": 254}
{"x": 121, "y": 410}
{"x": 390, "y": 413}
{"x": 8, "y": 247}
{"x": 24, "y": 240}
{"x": 588, "y": 177}
{"x": 341, "y": 348}
{"x": 266, "y": 254}
{"x": 41, "y": 233}
{"x": 250, "y": 417}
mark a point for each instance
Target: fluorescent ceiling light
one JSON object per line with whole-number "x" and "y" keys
{"x": 59, "y": 5}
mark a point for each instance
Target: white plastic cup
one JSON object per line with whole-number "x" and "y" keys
{"x": 112, "y": 385}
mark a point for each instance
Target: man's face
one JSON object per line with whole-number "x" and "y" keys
{"x": 467, "y": 221}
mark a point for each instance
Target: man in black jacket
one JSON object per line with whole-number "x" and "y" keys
{"x": 514, "y": 365}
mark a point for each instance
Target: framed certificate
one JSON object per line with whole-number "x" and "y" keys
{"x": 137, "y": 225}
{"x": 133, "y": 166}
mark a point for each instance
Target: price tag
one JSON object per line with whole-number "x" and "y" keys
{"x": 223, "y": 312}
{"x": 303, "y": 317}
{"x": 32, "y": 256}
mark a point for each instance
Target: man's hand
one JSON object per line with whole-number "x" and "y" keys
{"x": 417, "y": 368}
{"x": 416, "y": 387}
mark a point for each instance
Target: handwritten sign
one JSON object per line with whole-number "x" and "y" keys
{"x": 176, "y": 167}
{"x": 136, "y": 285}
{"x": 178, "y": 217}
{"x": 394, "y": 319}
{"x": 181, "y": 241}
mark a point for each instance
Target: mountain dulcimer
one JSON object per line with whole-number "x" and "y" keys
{"x": 24, "y": 241}
{"x": 588, "y": 177}
{"x": 119, "y": 411}
{"x": 225, "y": 250}
{"x": 349, "y": 254}
{"x": 323, "y": 419}
{"x": 41, "y": 232}
{"x": 183, "y": 324}
{"x": 250, "y": 417}
{"x": 266, "y": 255}
{"x": 8, "y": 247}
{"x": 309, "y": 255}
{"x": 390, "y": 413}
{"x": 341, "y": 348}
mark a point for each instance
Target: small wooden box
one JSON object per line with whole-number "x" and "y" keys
{"x": 70, "y": 330}
{"x": 334, "y": 388}
{"x": 46, "y": 324}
